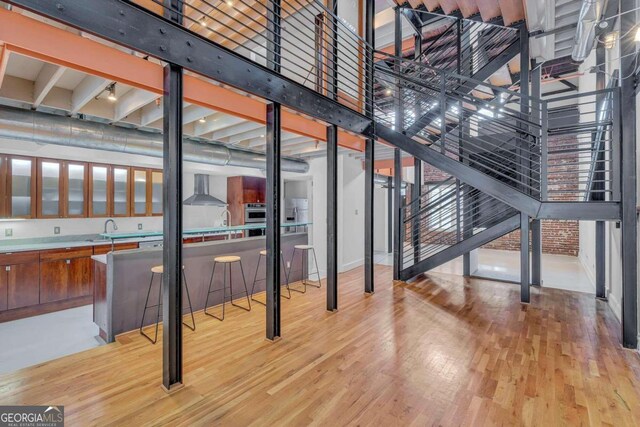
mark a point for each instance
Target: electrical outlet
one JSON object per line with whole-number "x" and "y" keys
{"x": 56, "y": 230}
{"x": 8, "y": 232}
{"x": 139, "y": 226}
{"x": 288, "y": 265}
{"x": 356, "y": 211}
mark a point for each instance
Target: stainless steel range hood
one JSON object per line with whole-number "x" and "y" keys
{"x": 201, "y": 196}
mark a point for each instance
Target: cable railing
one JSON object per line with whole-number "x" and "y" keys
{"x": 445, "y": 214}
{"x": 302, "y": 39}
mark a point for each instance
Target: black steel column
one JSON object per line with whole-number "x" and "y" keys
{"x": 273, "y": 221}
{"x": 628, "y": 187}
{"x": 536, "y": 224}
{"x": 332, "y": 218}
{"x": 390, "y": 215}
{"x": 332, "y": 169}
{"x": 273, "y": 180}
{"x": 524, "y": 258}
{"x": 524, "y": 106}
{"x": 416, "y": 191}
{"x": 369, "y": 152}
{"x": 600, "y": 257}
{"x": 397, "y": 208}
{"x": 172, "y": 218}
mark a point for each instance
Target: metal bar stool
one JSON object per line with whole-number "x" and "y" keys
{"x": 158, "y": 269}
{"x": 228, "y": 260}
{"x": 263, "y": 253}
{"x": 304, "y": 258}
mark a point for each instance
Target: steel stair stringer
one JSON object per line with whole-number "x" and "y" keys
{"x": 468, "y": 244}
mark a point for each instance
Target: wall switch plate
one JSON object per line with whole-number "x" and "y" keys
{"x": 8, "y": 232}
{"x": 56, "y": 230}
{"x": 288, "y": 264}
{"x": 139, "y": 226}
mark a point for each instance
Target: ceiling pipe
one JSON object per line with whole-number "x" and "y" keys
{"x": 588, "y": 20}
{"x": 26, "y": 125}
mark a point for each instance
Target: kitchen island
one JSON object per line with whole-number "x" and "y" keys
{"x": 121, "y": 278}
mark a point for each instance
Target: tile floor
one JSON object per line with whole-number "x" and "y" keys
{"x": 30, "y": 341}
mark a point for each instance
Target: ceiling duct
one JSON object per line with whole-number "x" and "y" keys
{"x": 201, "y": 196}
{"x": 45, "y": 128}
{"x": 588, "y": 20}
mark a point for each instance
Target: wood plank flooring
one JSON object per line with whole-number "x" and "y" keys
{"x": 439, "y": 351}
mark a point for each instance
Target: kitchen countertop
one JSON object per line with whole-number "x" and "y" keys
{"x": 58, "y": 242}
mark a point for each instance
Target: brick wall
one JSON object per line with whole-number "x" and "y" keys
{"x": 558, "y": 237}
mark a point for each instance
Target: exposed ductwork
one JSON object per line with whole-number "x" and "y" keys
{"x": 45, "y": 128}
{"x": 590, "y": 15}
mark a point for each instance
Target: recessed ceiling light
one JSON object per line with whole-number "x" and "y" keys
{"x": 203, "y": 120}
{"x": 203, "y": 22}
{"x": 229, "y": 3}
{"x": 637, "y": 37}
{"x": 261, "y": 136}
{"x": 388, "y": 92}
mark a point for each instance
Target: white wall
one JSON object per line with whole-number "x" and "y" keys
{"x": 351, "y": 213}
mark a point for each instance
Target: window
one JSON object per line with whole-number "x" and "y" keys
{"x": 442, "y": 212}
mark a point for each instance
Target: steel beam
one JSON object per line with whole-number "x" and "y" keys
{"x": 390, "y": 215}
{"x": 273, "y": 221}
{"x": 128, "y": 24}
{"x": 172, "y": 219}
{"x": 415, "y": 195}
{"x": 600, "y": 236}
{"x": 524, "y": 259}
{"x": 369, "y": 150}
{"x": 465, "y": 246}
{"x": 397, "y": 217}
{"x": 536, "y": 224}
{"x": 332, "y": 218}
{"x": 628, "y": 64}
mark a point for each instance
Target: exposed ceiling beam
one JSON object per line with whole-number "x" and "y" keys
{"x": 191, "y": 113}
{"x": 151, "y": 113}
{"x": 36, "y": 39}
{"x": 257, "y": 132}
{"x": 46, "y": 80}
{"x": 213, "y": 125}
{"x": 87, "y": 90}
{"x": 4, "y": 60}
{"x": 132, "y": 101}
{"x": 286, "y": 138}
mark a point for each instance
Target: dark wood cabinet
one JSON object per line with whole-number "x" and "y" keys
{"x": 103, "y": 249}
{"x": 19, "y": 280}
{"x": 242, "y": 190}
{"x": 4, "y": 295}
{"x": 23, "y": 285}
{"x": 65, "y": 274}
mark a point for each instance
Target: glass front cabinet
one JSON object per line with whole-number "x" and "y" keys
{"x": 49, "y": 188}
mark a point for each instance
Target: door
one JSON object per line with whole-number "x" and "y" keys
{"x": 3, "y": 288}
{"x": 23, "y": 285}
{"x": 49, "y": 188}
{"x": 75, "y": 185}
{"x": 21, "y": 187}
{"x": 120, "y": 191}
{"x": 80, "y": 277}
{"x": 53, "y": 280}
{"x": 98, "y": 191}
{"x": 156, "y": 193}
{"x": 140, "y": 194}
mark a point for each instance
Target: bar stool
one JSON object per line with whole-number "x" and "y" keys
{"x": 227, "y": 260}
{"x": 263, "y": 253}
{"x": 304, "y": 258}
{"x": 159, "y": 269}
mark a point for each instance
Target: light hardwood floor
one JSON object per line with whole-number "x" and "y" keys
{"x": 438, "y": 351}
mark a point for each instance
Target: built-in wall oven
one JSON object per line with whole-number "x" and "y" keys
{"x": 255, "y": 213}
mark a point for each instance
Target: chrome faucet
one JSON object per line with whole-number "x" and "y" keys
{"x": 106, "y": 223}
{"x": 227, "y": 221}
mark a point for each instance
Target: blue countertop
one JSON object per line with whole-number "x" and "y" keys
{"x": 58, "y": 242}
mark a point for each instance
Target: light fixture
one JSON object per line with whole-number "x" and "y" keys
{"x": 203, "y": 22}
{"x": 112, "y": 93}
{"x": 637, "y": 37}
{"x": 203, "y": 120}
{"x": 388, "y": 92}
{"x": 610, "y": 39}
{"x": 261, "y": 136}
{"x": 229, "y": 3}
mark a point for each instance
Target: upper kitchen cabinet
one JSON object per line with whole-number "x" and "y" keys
{"x": 99, "y": 190}
{"x": 18, "y": 182}
{"x": 246, "y": 189}
{"x": 50, "y": 188}
{"x": 121, "y": 177}
{"x": 75, "y": 189}
{"x": 146, "y": 191}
